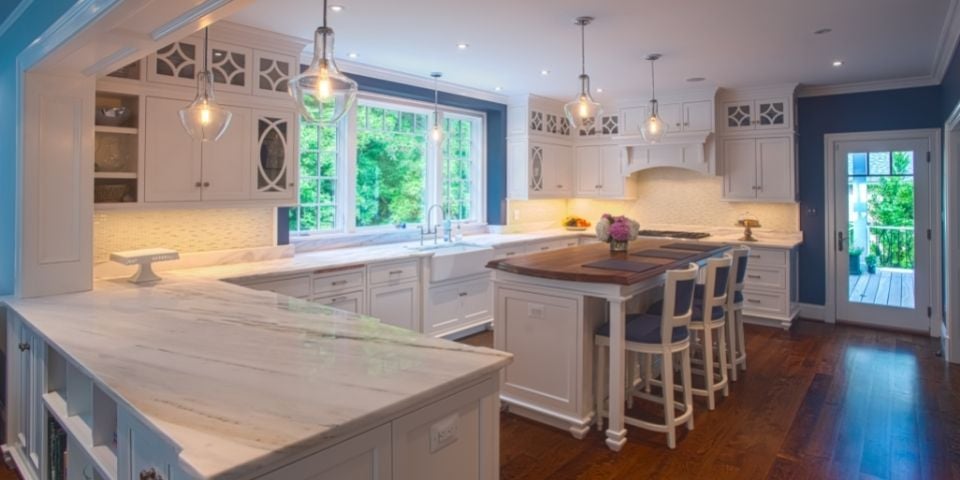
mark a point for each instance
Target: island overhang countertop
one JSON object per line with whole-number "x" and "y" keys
{"x": 242, "y": 380}
{"x": 568, "y": 264}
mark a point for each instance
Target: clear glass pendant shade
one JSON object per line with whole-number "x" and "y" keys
{"x": 323, "y": 93}
{"x": 204, "y": 119}
{"x": 653, "y": 127}
{"x": 436, "y": 134}
{"x": 584, "y": 110}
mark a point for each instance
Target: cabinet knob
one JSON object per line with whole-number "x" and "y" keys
{"x": 23, "y": 346}
{"x": 291, "y": 185}
{"x": 206, "y": 184}
{"x": 198, "y": 184}
{"x": 150, "y": 474}
{"x": 462, "y": 294}
{"x": 559, "y": 186}
{"x": 678, "y": 124}
{"x": 686, "y": 124}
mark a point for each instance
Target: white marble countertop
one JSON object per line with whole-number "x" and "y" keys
{"x": 242, "y": 379}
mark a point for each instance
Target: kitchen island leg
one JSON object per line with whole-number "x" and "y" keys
{"x": 616, "y": 434}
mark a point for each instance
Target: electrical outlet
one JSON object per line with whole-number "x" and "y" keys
{"x": 534, "y": 310}
{"x": 444, "y": 432}
{"x": 516, "y": 214}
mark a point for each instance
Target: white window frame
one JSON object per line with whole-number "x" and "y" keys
{"x": 340, "y": 196}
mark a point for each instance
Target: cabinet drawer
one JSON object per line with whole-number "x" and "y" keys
{"x": 508, "y": 251}
{"x": 767, "y": 257}
{"x": 298, "y": 286}
{"x": 350, "y": 302}
{"x": 343, "y": 281}
{"x": 764, "y": 302}
{"x": 392, "y": 272}
{"x": 552, "y": 245}
{"x": 766, "y": 277}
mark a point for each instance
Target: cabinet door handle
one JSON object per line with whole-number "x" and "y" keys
{"x": 150, "y": 474}
{"x": 510, "y": 254}
{"x": 291, "y": 184}
{"x": 23, "y": 346}
{"x": 339, "y": 282}
{"x": 755, "y": 277}
{"x": 559, "y": 186}
{"x": 753, "y": 300}
{"x": 462, "y": 294}
{"x": 396, "y": 272}
{"x": 758, "y": 257}
{"x": 335, "y": 300}
{"x": 544, "y": 248}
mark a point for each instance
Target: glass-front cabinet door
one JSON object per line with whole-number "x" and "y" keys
{"x": 771, "y": 113}
{"x": 274, "y": 175}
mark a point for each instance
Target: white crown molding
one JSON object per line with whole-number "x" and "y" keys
{"x": 15, "y": 14}
{"x": 948, "y": 41}
{"x": 229, "y": 32}
{"x": 871, "y": 86}
{"x": 418, "y": 81}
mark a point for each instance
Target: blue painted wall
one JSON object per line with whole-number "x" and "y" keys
{"x": 859, "y": 112}
{"x": 38, "y": 16}
{"x": 950, "y": 87}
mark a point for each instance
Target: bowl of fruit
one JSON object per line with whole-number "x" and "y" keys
{"x": 576, "y": 224}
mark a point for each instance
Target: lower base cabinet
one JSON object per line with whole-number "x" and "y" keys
{"x": 452, "y": 306}
{"x": 397, "y": 305}
{"x": 350, "y": 302}
{"x": 453, "y": 438}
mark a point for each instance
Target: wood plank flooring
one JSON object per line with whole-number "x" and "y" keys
{"x": 819, "y": 401}
{"x": 886, "y": 287}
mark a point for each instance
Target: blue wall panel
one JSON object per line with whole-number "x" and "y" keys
{"x": 38, "y": 16}
{"x": 859, "y": 112}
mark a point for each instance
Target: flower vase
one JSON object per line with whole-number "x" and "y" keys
{"x": 618, "y": 246}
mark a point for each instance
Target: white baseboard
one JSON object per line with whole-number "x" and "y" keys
{"x": 813, "y": 312}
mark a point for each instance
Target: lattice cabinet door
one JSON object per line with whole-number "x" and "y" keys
{"x": 274, "y": 175}
{"x": 273, "y": 72}
{"x": 738, "y": 115}
{"x": 177, "y": 63}
{"x": 772, "y": 113}
{"x": 231, "y": 67}
{"x": 536, "y": 168}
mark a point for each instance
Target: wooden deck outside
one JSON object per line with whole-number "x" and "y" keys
{"x": 891, "y": 287}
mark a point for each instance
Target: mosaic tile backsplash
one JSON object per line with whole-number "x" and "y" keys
{"x": 187, "y": 231}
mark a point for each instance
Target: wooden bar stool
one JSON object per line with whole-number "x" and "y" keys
{"x": 736, "y": 342}
{"x": 707, "y": 325}
{"x": 664, "y": 335}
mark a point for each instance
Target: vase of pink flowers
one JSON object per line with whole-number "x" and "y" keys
{"x": 617, "y": 231}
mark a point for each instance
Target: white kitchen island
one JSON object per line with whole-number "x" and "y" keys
{"x": 194, "y": 378}
{"x": 547, "y": 308}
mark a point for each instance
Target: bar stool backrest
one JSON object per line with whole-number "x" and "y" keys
{"x": 715, "y": 290}
{"x": 677, "y": 301}
{"x": 738, "y": 274}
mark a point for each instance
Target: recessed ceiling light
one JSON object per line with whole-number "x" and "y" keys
{"x": 599, "y": 90}
{"x": 497, "y": 88}
{"x": 352, "y": 55}
{"x": 544, "y": 72}
{"x": 463, "y": 46}
{"x": 838, "y": 63}
{"x": 336, "y": 8}
{"x": 822, "y": 31}
{"x": 696, "y": 79}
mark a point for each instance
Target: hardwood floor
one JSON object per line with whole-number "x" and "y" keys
{"x": 819, "y": 401}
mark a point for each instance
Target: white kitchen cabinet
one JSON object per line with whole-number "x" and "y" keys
{"x": 179, "y": 168}
{"x": 273, "y": 71}
{"x": 226, "y": 162}
{"x": 672, "y": 115}
{"x": 456, "y": 305}
{"x": 275, "y": 174}
{"x": 348, "y": 302}
{"x": 761, "y": 114}
{"x": 698, "y": 116}
{"x": 367, "y": 456}
{"x": 231, "y": 67}
{"x": 600, "y": 172}
{"x": 397, "y": 304}
{"x": 539, "y": 170}
{"x": 770, "y": 286}
{"x": 25, "y": 385}
{"x": 759, "y": 169}
{"x": 297, "y": 286}
{"x": 177, "y": 63}
{"x": 695, "y": 116}
{"x": 631, "y": 119}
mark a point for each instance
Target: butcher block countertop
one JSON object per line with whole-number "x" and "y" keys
{"x": 568, "y": 263}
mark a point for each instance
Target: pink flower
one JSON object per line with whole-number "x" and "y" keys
{"x": 620, "y": 230}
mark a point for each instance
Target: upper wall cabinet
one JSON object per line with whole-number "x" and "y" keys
{"x": 273, "y": 73}
{"x": 230, "y": 66}
{"x": 177, "y": 63}
{"x": 539, "y": 170}
{"x": 694, "y": 116}
{"x": 275, "y": 172}
{"x": 766, "y": 114}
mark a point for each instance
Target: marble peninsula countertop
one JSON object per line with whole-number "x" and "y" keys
{"x": 241, "y": 379}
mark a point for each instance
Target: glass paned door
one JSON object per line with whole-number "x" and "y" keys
{"x": 882, "y": 212}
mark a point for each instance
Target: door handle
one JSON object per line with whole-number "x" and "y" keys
{"x": 839, "y": 241}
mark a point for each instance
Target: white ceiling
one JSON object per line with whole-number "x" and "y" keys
{"x": 732, "y": 43}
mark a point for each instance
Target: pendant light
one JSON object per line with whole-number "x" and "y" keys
{"x": 583, "y": 110}
{"x": 653, "y": 127}
{"x": 205, "y": 119}
{"x": 436, "y": 133}
{"x": 323, "y": 93}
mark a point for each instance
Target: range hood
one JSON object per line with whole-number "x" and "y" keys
{"x": 690, "y": 151}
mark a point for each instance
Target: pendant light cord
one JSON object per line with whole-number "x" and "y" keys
{"x": 206, "y": 48}
{"x": 583, "y": 48}
{"x": 653, "y": 80}
{"x": 324, "y": 14}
